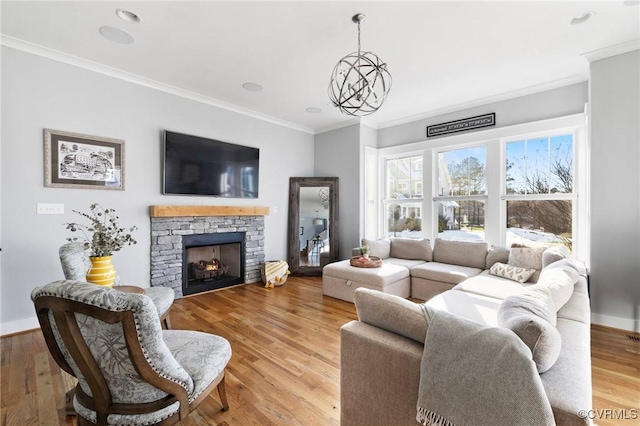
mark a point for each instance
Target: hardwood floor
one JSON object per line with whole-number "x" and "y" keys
{"x": 285, "y": 364}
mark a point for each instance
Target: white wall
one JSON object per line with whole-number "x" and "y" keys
{"x": 337, "y": 154}
{"x": 559, "y": 102}
{"x": 615, "y": 191}
{"x": 39, "y": 93}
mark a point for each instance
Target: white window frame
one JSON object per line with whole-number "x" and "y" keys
{"x": 384, "y": 202}
{"x": 495, "y": 207}
{"x": 436, "y": 172}
{"x": 579, "y": 146}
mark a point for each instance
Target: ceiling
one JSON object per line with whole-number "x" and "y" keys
{"x": 443, "y": 56}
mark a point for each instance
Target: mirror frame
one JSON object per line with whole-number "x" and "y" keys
{"x": 293, "y": 232}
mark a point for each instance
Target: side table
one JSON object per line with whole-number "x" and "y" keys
{"x": 129, "y": 289}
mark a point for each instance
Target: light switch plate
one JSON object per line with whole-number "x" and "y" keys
{"x": 50, "y": 208}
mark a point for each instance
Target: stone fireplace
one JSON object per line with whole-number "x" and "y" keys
{"x": 221, "y": 246}
{"x": 212, "y": 261}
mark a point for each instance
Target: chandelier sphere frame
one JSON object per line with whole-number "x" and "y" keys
{"x": 360, "y": 81}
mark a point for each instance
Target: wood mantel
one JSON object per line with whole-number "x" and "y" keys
{"x": 180, "y": 211}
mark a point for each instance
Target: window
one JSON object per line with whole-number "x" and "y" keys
{"x": 403, "y": 197}
{"x": 462, "y": 180}
{"x": 540, "y": 166}
{"x": 526, "y": 183}
{"x": 539, "y": 182}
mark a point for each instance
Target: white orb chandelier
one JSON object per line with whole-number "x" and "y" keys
{"x": 360, "y": 81}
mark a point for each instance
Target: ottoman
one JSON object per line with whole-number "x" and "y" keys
{"x": 340, "y": 279}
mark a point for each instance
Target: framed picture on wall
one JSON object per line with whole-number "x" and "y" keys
{"x": 73, "y": 160}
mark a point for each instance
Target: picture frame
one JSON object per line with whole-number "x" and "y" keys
{"x": 74, "y": 160}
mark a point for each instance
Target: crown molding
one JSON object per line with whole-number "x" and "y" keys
{"x": 348, "y": 122}
{"x": 76, "y": 61}
{"x": 538, "y": 88}
{"x": 616, "y": 49}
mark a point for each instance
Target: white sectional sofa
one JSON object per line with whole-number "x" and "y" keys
{"x": 411, "y": 267}
{"x": 382, "y": 352}
{"x": 399, "y": 256}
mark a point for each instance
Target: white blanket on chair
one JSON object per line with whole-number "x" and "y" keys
{"x": 472, "y": 374}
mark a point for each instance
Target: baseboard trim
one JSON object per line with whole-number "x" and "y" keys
{"x": 20, "y": 326}
{"x": 616, "y": 322}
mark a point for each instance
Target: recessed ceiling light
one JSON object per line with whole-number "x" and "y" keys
{"x": 116, "y": 35}
{"x": 127, "y": 16}
{"x": 583, "y": 17}
{"x": 252, "y": 87}
{"x": 313, "y": 110}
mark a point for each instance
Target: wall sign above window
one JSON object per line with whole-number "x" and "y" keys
{"x": 462, "y": 125}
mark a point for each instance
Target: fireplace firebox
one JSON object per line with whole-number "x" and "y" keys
{"x": 212, "y": 261}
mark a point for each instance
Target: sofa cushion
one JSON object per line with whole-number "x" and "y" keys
{"x": 407, "y": 263}
{"x": 512, "y": 273}
{"x": 378, "y": 277}
{"x": 560, "y": 280}
{"x": 474, "y": 307}
{"x": 464, "y": 253}
{"x": 496, "y": 254}
{"x": 411, "y": 248}
{"x": 568, "y": 382}
{"x": 488, "y": 285}
{"x": 554, "y": 254}
{"x": 578, "y": 307}
{"x": 444, "y": 272}
{"x": 531, "y": 315}
{"x": 526, "y": 257}
{"x": 392, "y": 313}
{"x": 380, "y": 248}
{"x": 537, "y": 300}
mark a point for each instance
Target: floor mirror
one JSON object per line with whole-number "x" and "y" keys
{"x": 313, "y": 224}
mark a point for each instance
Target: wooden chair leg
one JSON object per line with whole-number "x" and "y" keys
{"x": 166, "y": 322}
{"x": 223, "y": 395}
{"x": 69, "y": 382}
{"x": 69, "y": 402}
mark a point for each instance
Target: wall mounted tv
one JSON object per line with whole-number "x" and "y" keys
{"x": 198, "y": 166}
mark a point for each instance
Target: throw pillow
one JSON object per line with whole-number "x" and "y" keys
{"x": 539, "y": 301}
{"x": 526, "y": 257}
{"x": 411, "y": 248}
{"x": 380, "y": 248}
{"x": 560, "y": 281}
{"x": 554, "y": 254}
{"x": 527, "y": 315}
{"x": 512, "y": 273}
{"x": 497, "y": 254}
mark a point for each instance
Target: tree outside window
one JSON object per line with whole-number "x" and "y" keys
{"x": 462, "y": 179}
{"x": 539, "y": 183}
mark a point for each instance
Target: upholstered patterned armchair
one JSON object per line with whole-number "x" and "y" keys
{"x": 75, "y": 264}
{"x": 129, "y": 370}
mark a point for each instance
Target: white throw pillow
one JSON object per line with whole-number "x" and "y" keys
{"x": 512, "y": 273}
{"x": 526, "y": 257}
{"x": 554, "y": 254}
{"x": 497, "y": 254}
{"x": 531, "y": 316}
{"x": 560, "y": 281}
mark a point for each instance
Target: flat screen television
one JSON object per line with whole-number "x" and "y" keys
{"x": 194, "y": 165}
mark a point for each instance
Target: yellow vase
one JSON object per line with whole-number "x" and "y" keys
{"x": 101, "y": 272}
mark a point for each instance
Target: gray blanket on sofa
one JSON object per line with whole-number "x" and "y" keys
{"x": 472, "y": 374}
